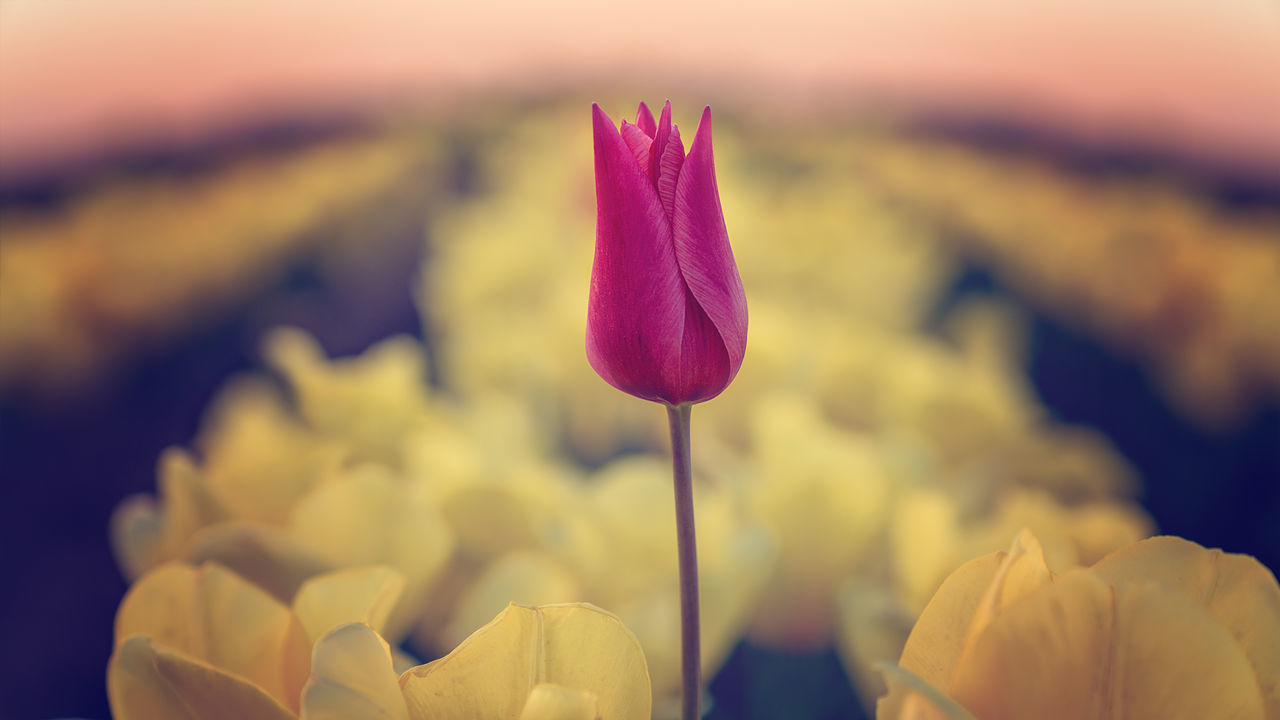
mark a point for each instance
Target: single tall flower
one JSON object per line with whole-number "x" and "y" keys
{"x": 667, "y": 315}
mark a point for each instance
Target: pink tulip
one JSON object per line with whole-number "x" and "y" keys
{"x": 667, "y": 315}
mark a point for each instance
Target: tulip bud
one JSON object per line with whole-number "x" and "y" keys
{"x": 667, "y": 315}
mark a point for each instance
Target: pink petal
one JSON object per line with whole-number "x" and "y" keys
{"x": 702, "y": 247}
{"x": 636, "y": 308}
{"x": 638, "y": 142}
{"x": 704, "y": 362}
{"x": 644, "y": 119}
{"x": 669, "y": 170}
{"x": 660, "y": 138}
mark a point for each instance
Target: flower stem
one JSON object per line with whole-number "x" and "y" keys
{"x": 687, "y": 550}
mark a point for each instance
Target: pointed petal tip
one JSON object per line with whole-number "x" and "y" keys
{"x": 601, "y": 123}
{"x": 706, "y": 118}
{"x": 645, "y": 121}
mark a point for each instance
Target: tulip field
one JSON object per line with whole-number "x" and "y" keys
{"x": 349, "y": 449}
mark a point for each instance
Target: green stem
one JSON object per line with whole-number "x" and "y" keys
{"x": 687, "y": 550}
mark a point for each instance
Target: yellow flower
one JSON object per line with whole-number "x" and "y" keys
{"x": 617, "y": 548}
{"x": 1163, "y": 628}
{"x": 203, "y": 643}
{"x": 823, "y": 491}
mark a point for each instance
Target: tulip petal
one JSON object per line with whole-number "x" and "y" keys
{"x": 365, "y": 517}
{"x": 361, "y": 595}
{"x": 146, "y": 682}
{"x": 636, "y": 308}
{"x": 702, "y": 247}
{"x": 268, "y": 557}
{"x": 704, "y": 359}
{"x": 214, "y": 616}
{"x": 1021, "y": 571}
{"x": 524, "y": 577}
{"x": 491, "y": 673}
{"x": 1078, "y": 648}
{"x": 667, "y": 169}
{"x": 557, "y": 702}
{"x": 352, "y": 677}
{"x": 662, "y": 135}
{"x": 938, "y": 638}
{"x": 644, "y": 120}
{"x": 1237, "y": 590}
{"x": 638, "y": 142}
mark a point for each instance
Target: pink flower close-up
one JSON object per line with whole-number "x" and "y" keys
{"x": 667, "y": 315}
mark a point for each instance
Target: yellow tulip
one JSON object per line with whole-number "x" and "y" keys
{"x": 1163, "y": 628}
{"x": 495, "y": 673}
{"x": 203, "y": 642}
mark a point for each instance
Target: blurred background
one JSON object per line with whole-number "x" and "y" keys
{"x": 1082, "y": 199}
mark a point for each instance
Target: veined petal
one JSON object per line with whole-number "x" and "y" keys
{"x": 212, "y": 615}
{"x": 644, "y": 120}
{"x": 491, "y": 673}
{"x": 548, "y": 701}
{"x": 667, "y": 169}
{"x": 702, "y": 247}
{"x": 661, "y": 136}
{"x": 1237, "y": 590}
{"x": 146, "y": 681}
{"x": 1080, "y": 648}
{"x": 638, "y": 141}
{"x": 636, "y": 307}
{"x": 704, "y": 363}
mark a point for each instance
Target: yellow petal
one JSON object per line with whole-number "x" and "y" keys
{"x": 260, "y": 459}
{"x": 495, "y": 517}
{"x": 1078, "y": 648}
{"x": 1021, "y": 571}
{"x": 214, "y": 616}
{"x": 367, "y": 400}
{"x": 522, "y": 577}
{"x": 492, "y": 672}
{"x": 360, "y": 595}
{"x": 936, "y": 641}
{"x": 1237, "y": 590}
{"x": 146, "y": 682}
{"x": 135, "y": 533}
{"x": 557, "y": 702}
{"x": 265, "y": 556}
{"x": 145, "y": 533}
{"x": 962, "y": 608}
{"x": 352, "y": 678}
{"x": 369, "y": 517}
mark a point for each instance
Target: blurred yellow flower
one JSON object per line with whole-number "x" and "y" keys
{"x": 1162, "y": 628}
{"x": 203, "y": 643}
{"x": 553, "y": 661}
{"x": 616, "y": 546}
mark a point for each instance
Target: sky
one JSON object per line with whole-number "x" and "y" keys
{"x": 1197, "y": 77}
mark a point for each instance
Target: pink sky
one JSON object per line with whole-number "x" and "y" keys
{"x": 1199, "y": 76}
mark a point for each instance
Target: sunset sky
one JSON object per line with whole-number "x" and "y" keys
{"x": 1200, "y": 78}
